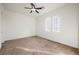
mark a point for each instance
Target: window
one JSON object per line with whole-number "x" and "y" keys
{"x": 52, "y": 24}
{"x": 55, "y": 23}
{"x": 48, "y": 24}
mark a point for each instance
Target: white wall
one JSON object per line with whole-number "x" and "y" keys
{"x": 17, "y": 25}
{"x": 0, "y": 24}
{"x": 69, "y": 25}
{"x": 78, "y": 28}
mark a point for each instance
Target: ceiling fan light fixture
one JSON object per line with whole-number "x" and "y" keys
{"x": 33, "y": 9}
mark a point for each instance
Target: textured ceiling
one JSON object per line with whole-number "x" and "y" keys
{"x": 19, "y": 7}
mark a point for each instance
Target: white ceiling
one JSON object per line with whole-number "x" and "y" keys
{"x": 19, "y": 7}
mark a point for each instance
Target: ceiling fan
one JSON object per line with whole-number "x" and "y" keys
{"x": 34, "y": 8}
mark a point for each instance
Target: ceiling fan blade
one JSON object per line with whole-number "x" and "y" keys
{"x": 32, "y": 5}
{"x": 31, "y": 11}
{"x": 39, "y": 8}
{"x": 36, "y": 11}
{"x": 27, "y": 8}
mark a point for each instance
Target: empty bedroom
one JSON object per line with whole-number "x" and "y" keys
{"x": 39, "y": 29}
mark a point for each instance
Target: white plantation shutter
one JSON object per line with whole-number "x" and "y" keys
{"x": 55, "y": 24}
{"x": 52, "y": 24}
{"x": 48, "y": 24}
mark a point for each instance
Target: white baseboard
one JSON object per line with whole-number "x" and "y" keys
{"x": 35, "y": 35}
{"x": 57, "y": 41}
{"x": 16, "y": 38}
